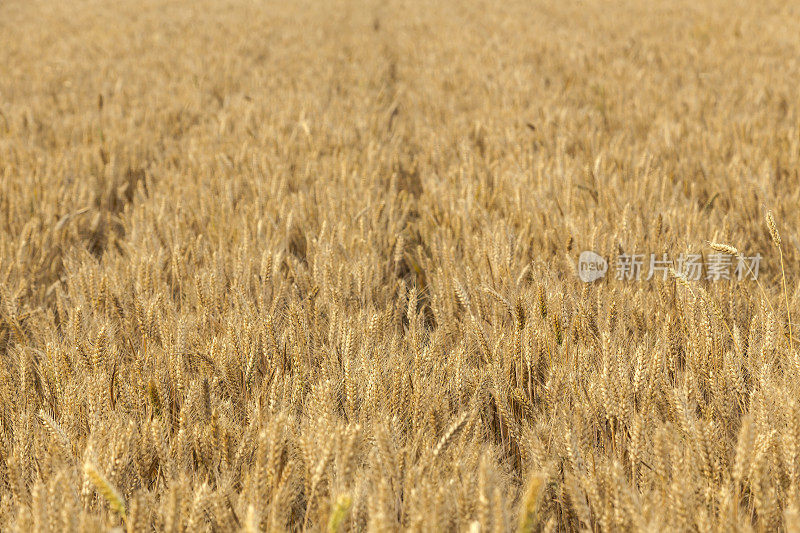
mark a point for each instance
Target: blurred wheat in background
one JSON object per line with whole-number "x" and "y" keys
{"x": 272, "y": 266}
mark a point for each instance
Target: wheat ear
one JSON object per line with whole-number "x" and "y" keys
{"x": 105, "y": 488}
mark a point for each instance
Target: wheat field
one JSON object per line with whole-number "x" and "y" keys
{"x": 271, "y": 266}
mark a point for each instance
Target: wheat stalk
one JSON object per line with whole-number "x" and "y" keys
{"x": 776, "y": 240}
